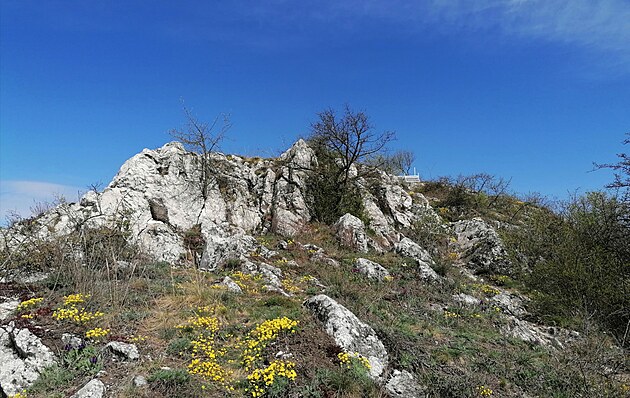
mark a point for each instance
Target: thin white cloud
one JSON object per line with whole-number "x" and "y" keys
{"x": 601, "y": 27}
{"x": 21, "y": 196}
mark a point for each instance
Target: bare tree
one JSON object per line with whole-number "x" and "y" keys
{"x": 203, "y": 138}
{"x": 621, "y": 172}
{"x": 341, "y": 143}
{"x": 349, "y": 139}
{"x": 398, "y": 163}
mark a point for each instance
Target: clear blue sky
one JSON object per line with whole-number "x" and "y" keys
{"x": 530, "y": 90}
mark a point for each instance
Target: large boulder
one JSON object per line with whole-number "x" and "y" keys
{"x": 349, "y": 332}
{"x": 23, "y": 357}
{"x": 350, "y": 232}
{"x": 480, "y": 247}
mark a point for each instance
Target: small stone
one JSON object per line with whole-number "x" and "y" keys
{"x": 371, "y": 269}
{"x": 139, "y": 381}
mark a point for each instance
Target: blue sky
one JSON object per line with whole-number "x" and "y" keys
{"x": 529, "y": 90}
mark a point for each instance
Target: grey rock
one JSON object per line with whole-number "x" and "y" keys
{"x": 402, "y": 384}
{"x": 408, "y": 248}
{"x": 70, "y": 340}
{"x": 8, "y": 307}
{"x": 371, "y": 269}
{"x": 140, "y": 381}
{"x": 320, "y": 257}
{"x": 159, "y": 212}
{"x": 93, "y": 389}
{"x": 510, "y": 303}
{"x": 466, "y": 299}
{"x": 350, "y": 232}
{"x": 349, "y": 332}
{"x": 272, "y": 275}
{"x": 123, "y": 350}
{"x": 23, "y": 357}
{"x": 549, "y": 336}
{"x": 220, "y": 249}
{"x": 231, "y": 285}
{"x": 480, "y": 247}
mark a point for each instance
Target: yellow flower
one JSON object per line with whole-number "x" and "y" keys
{"x": 29, "y": 303}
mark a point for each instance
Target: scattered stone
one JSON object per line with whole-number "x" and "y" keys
{"x": 231, "y": 285}
{"x": 93, "y": 389}
{"x": 349, "y": 332}
{"x": 403, "y": 384}
{"x": 466, "y": 299}
{"x": 480, "y": 247}
{"x": 283, "y": 245}
{"x": 23, "y": 357}
{"x": 124, "y": 350}
{"x": 350, "y": 231}
{"x": 371, "y": 269}
{"x": 271, "y": 288}
{"x": 140, "y": 381}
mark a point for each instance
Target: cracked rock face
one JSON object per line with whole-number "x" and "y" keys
{"x": 351, "y": 233}
{"x": 349, "y": 332}
{"x": 480, "y": 247}
{"x": 23, "y": 357}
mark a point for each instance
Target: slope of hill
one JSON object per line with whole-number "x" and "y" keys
{"x": 157, "y": 288}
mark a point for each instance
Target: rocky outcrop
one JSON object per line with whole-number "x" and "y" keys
{"x": 408, "y": 248}
{"x": 350, "y": 232}
{"x": 549, "y": 336}
{"x": 349, "y": 332}
{"x": 510, "y": 303}
{"x": 23, "y": 357}
{"x": 371, "y": 269}
{"x": 220, "y": 249}
{"x": 480, "y": 247}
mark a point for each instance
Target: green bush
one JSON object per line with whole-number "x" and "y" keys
{"x": 581, "y": 263}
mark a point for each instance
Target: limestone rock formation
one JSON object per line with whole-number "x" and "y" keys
{"x": 349, "y": 332}
{"x": 480, "y": 247}
{"x": 23, "y": 357}
{"x": 350, "y": 231}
